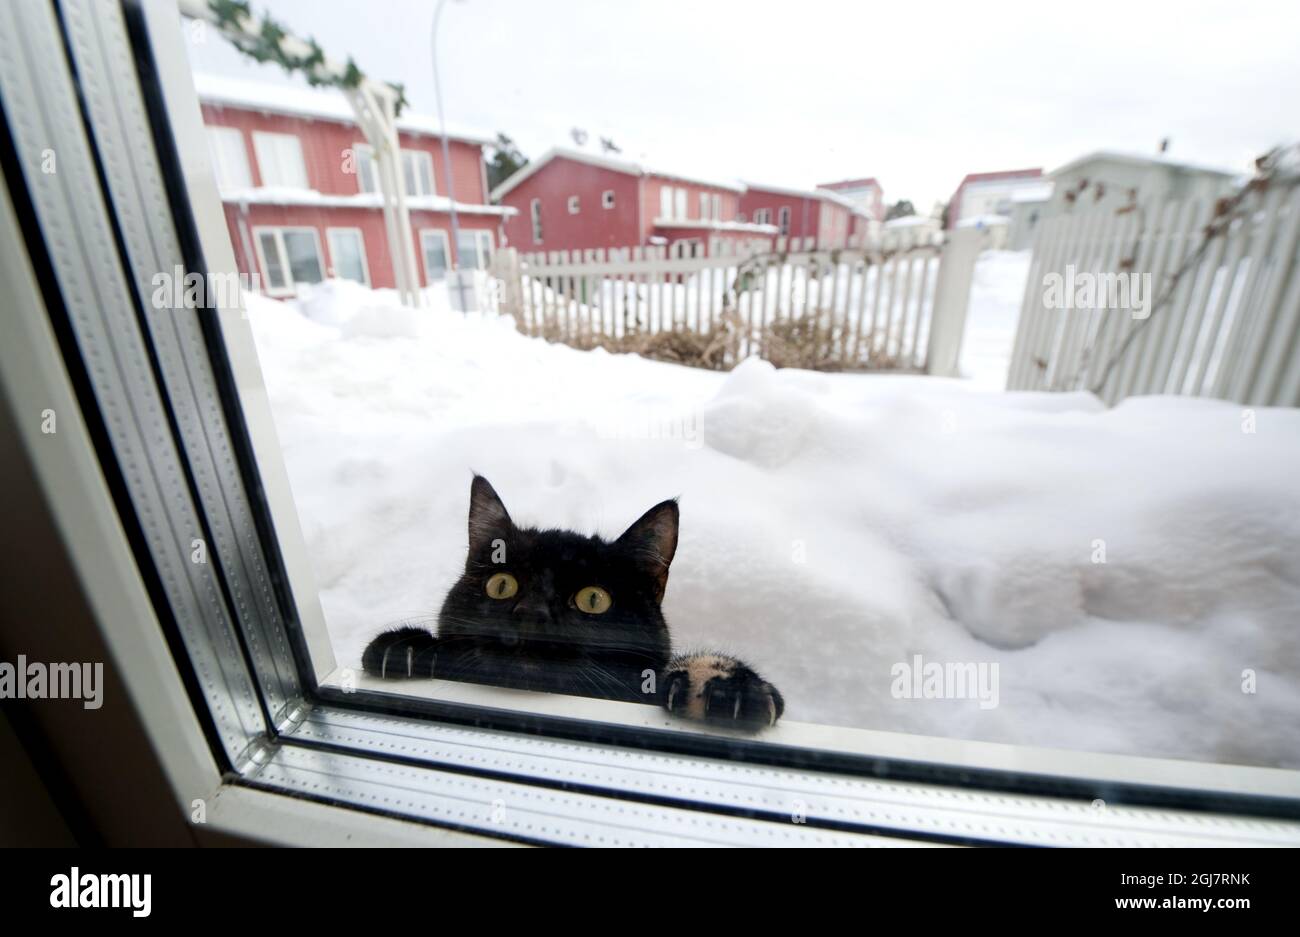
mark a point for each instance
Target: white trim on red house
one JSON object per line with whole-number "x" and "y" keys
{"x": 605, "y": 162}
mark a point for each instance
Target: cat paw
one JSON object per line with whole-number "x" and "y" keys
{"x": 721, "y": 690}
{"x": 402, "y": 652}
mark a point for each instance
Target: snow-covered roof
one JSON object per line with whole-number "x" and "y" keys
{"x": 613, "y": 163}
{"x": 300, "y": 101}
{"x": 1141, "y": 159}
{"x": 283, "y": 195}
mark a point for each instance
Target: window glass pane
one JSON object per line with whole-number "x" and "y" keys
{"x": 434, "y": 245}
{"x": 346, "y": 250}
{"x": 467, "y": 247}
{"x": 367, "y": 169}
{"x": 426, "y": 173}
{"x": 408, "y": 175}
{"x": 271, "y": 257}
{"x": 417, "y": 172}
{"x": 665, "y": 202}
{"x": 304, "y": 258}
{"x": 679, "y": 203}
{"x": 279, "y": 159}
{"x": 229, "y": 158}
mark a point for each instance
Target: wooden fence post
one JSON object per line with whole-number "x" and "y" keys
{"x": 951, "y": 298}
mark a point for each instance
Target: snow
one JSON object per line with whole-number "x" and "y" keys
{"x": 293, "y": 96}
{"x": 639, "y": 167}
{"x": 288, "y": 195}
{"x": 997, "y": 289}
{"x": 833, "y": 525}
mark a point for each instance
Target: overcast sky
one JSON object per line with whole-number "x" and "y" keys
{"x": 799, "y": 93}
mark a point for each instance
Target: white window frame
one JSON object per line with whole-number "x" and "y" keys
{"x": 715, "y": 202}
{"x": 607, "y": 199}
{"x": 442, "y": 235}
{"x": 783, "y": 220}
{"x": 706, "y": 210}
{"x": 291, "y": 286}
{"x": 403, "y": 153}
{"x": 666, "y": 202}
{"x": 221, "y": 165}
{"x": 330, "y": 234}
{"x": 535, "y": 216}
{"x": 267, "y": 146}
{"x": 426, "y": 160}
{"x": 762, "y": 215}
{"x": 485, "y": 245}
{"x": 32, "y": 368}
{"x": 574, "y": 204}
{"x": 680, "y": 196}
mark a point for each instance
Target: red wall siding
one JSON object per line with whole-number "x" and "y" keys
{"x": 654, "y": 184}
{"x": 324, "y": 144}
{"x": 593, "y": 226}
{"x": 803, "y": 211}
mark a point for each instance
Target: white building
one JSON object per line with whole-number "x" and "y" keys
{"x": 911, "y": 231}
{"x": 1118, "y": 177}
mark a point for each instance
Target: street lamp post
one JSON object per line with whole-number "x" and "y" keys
{"x": 446, "y": 158}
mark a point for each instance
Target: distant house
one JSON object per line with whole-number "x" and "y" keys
{"x": 1111, "y": 176}
{"x": 573, "y": 200}
{"x": 864, "y": 194}
{"x": 989, "y": 193}
{"x": 821, "y": 215}
{"x": 911, "y": 231}
{"x": 298, "y": 182}
{"x": 1029, "y": 206}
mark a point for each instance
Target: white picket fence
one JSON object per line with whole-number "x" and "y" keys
{"x": 844, "y": 309}
{"x": 1224, "y": 294}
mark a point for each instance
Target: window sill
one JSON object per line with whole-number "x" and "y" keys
{"x": 930, "y": 757}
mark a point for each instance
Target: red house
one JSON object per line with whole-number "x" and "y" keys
{"x": 301, "y": 193}
{"x": 572, "y": 200}
{"x": 820, "y": 215}
{"x": 989, "y": 193}
{"x": 865, "y": 195}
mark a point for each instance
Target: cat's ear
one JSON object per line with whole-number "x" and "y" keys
{"x": 653, "y": 541}
{"x": 488, "y": 519}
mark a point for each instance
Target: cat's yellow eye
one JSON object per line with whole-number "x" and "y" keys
{"x": 593, "y": 600}
{"x": 501, "y": 586}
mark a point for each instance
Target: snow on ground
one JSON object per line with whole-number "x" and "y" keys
{"x": 833, "y": 525}
{"x": 997, "y": 290}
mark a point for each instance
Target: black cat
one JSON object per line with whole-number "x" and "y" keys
{"x": 556, "y": 611}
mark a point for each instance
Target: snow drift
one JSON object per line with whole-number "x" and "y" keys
{"x": 1127, "y": 569}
